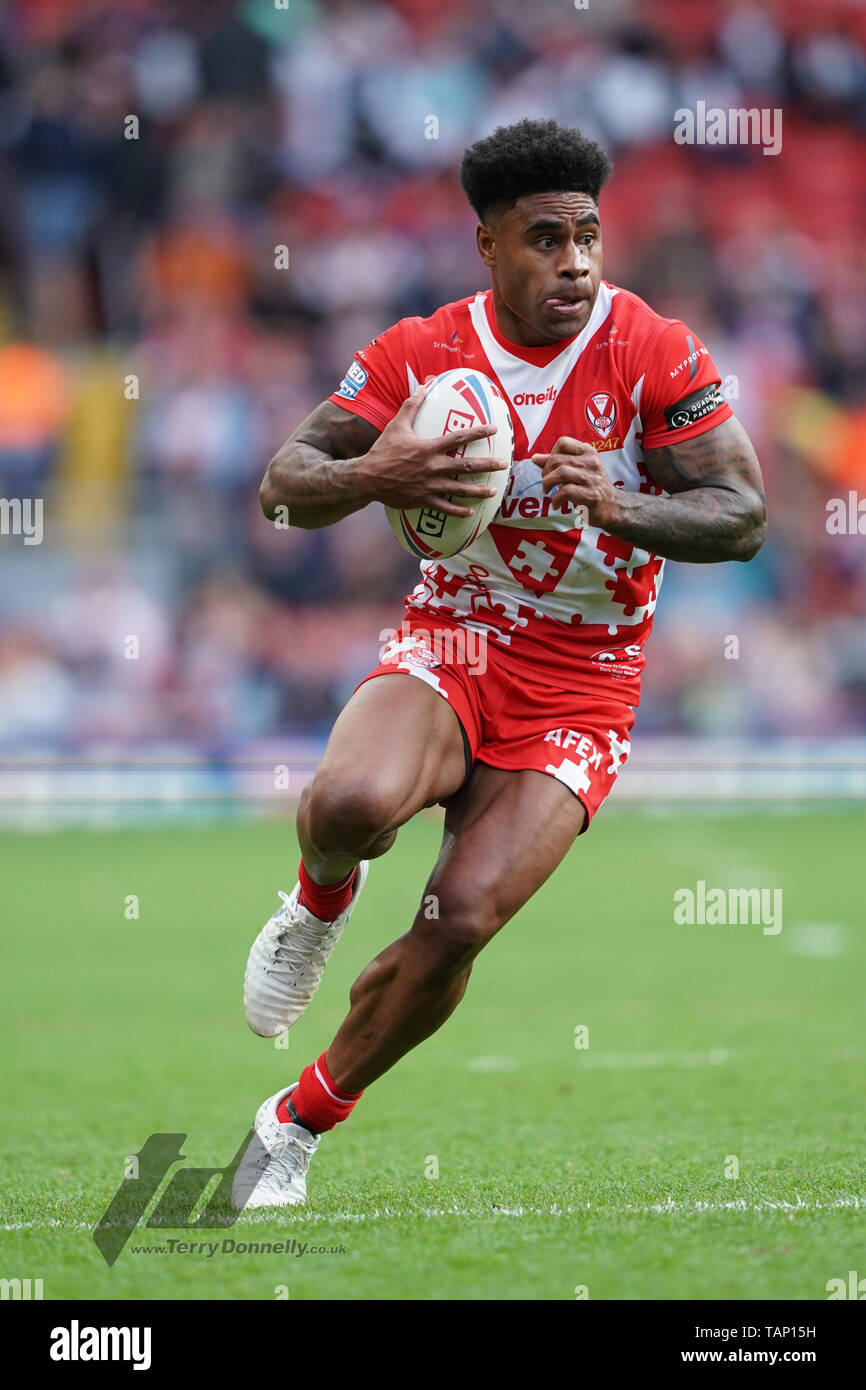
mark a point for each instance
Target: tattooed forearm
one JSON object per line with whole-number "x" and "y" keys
{"x": 716, "y": 510}
{"x": 702, "y": 526}
{"x": 315, "y": 476}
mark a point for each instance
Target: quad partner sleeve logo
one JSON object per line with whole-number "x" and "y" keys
{"x": 695, "y": 406}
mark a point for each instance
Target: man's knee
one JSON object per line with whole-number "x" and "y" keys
{"x": 345, "y": 814}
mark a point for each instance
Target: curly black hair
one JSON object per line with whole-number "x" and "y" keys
{"x": 531, "y": 157}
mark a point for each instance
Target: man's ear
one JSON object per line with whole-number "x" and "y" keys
{"x": 485, "y": 240}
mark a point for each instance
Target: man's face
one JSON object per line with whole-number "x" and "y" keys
{"x": 544, "y": 257}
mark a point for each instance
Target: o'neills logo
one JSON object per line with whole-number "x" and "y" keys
{"x": 530, "y": 398}
{"x": 601, "y": 412}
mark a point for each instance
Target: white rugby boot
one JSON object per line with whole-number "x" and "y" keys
{"x": 288, "y": 959}
{"x": 273, "y": 1171}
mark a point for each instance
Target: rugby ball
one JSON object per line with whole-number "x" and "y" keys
{"x": 458, "y": 400}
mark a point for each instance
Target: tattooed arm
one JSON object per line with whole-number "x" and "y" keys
{"x": 315, "y": 475}
{"x": 716, "y": 510}
{"x": 336, "y": 462}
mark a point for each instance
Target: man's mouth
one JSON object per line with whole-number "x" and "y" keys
{"x": 566, "y": 305}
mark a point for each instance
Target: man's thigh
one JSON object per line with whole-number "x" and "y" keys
{"x": 505, "y": 833}
{"x": 400, "y": 737}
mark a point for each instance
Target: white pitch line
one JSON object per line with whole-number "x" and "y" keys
{"x": 492, "y": 1064}
{"x": 626, "y": 1061}
{"x": 636, "y": 1061}
{"x": 632, "y": 1209}
{"x": 854, "y": 1201}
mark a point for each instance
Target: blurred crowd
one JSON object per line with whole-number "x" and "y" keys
{"x": 207, "y": 206}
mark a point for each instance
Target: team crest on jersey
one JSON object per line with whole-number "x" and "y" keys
{"x": 601, "y": 412}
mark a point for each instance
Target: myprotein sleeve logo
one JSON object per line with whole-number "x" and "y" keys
{"x": 352, "y": 382}
{"x": 695, "y": 406}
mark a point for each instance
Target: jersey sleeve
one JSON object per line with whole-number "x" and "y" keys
{"x": 681, "y": 395}
{"x": 377, "y": 382}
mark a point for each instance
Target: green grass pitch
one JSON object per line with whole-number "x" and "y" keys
{"x": 712, "y": 1049}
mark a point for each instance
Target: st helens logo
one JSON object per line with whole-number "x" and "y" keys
{"x": 601, "y": 412}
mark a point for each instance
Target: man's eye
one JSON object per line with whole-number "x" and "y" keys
{"x": 547, "y": 242}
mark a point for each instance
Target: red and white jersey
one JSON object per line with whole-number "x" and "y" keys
{"x": 567, "y": 605}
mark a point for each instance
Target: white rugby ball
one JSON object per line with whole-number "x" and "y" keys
{"x": 459, "y": 399}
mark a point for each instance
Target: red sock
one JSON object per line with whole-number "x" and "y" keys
{"x": 325, "y": 900}
{"x": 317, "y": 1100}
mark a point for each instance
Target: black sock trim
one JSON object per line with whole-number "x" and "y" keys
{"x": 296, "y": 1119}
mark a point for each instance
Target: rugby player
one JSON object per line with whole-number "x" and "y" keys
{"x": 626, "y": 453}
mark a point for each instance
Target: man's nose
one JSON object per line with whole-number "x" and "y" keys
{"x": 575, "y": 262}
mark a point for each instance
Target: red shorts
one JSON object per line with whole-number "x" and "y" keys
{"x": 508, "y": 721}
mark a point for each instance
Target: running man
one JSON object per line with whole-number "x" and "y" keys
{"x": 626, "y": 453}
